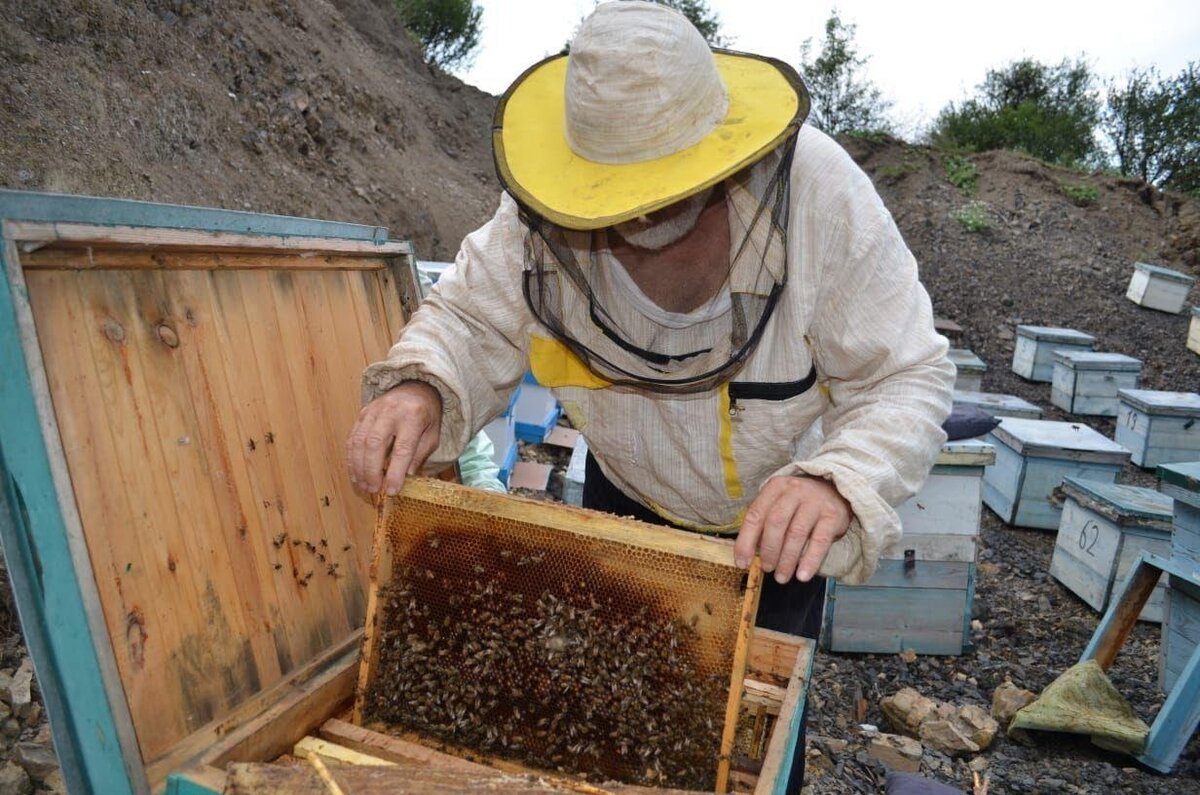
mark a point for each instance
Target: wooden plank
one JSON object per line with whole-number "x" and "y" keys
{"x": 925, "y": 575}
{"x": 1119, "y": 620}
{"x": 338, "y": 753}
{"x": 761, "y": 694}
{"x": 156, "y": 238}
{"x": 773, "y": 652}
{"x": 946, "y": 547}
{"x": 379, "y": 575}
{"x": 54, "y": 258}
{"x": 315, "y": 678}
{"x": 733, "y": 705}
{"x": 393, "y": 749}
{"x": 569, "y": 519}
{"x": 777, "y": 764}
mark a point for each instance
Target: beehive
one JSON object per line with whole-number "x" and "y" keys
{"x": 969, "y": 369}
{"x": 1033, "y": 355}
{"x": 998, "y": 405}
{"x": 1033, "y": 457}
{"x": 564, "y": 639}
{"x": 1086, "y": 382}
{"x": 1103, "y": 530}
{"x": 1159, "y": 427}
{"x": 536, "y": 411}
{"x": 921, "y": 596}
{"x": 1156, "y": 287}
{"x": 1181, "y": 614}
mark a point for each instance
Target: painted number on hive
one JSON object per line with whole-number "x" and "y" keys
{"x": 1089, "y": 534}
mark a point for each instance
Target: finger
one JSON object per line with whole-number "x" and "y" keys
{"x": 752, "y": 525}
{"x": 404, "y": 451}
{"x": 357, "y": 453}
{"x": 819, "y": 542}
{"x": 425, "y": 447}
{"x": 779, "y": 517}
{"x": 798, "y": 532}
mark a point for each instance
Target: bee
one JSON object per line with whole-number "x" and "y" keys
{"x": 278, "y": 540}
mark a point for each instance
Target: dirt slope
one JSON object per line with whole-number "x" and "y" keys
{"x": 319, "y": 108}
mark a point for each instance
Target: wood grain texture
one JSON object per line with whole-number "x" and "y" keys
{"x": 202, "y": 413}
{"x": 738, "y": 672}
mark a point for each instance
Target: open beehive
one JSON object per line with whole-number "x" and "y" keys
{"x": 563, "y": 639}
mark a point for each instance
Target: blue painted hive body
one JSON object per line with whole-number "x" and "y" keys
{"x": 1086, "y": 382}
{"x": 1181, "y": 616}
{"x": 969, "y": 369}
{"x": 921, "y": 595}
{"x": 1033, "y": 457}
{"x": 1104, "y": 528}
{"x": 1033, "y": 355}
{"x": 1159, "y": 427}
{"x": 998, "y": 405}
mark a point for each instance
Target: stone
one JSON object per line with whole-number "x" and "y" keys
{"x": 6, "y": 682}
{"x": 21, "y": 691}
{"x": 10, "y": 728}
{"x": 981, "y": 727}
{"x": 906, "y": 709}
{"x": 14, "y": 780}
{"x": 978, "y": 764}
{"x": 909, "y": 655}
{"x": 38, "y": 760}
{"x": 948, "y": 737}
{"x": 57, "y": 785}
{"x": 1007, "y": 699}
{"x": 897, "y": 752}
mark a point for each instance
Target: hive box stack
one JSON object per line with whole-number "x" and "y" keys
{"x": 1156, "y": 287}
{"x": 1086, "y": 382}
{"x": 1181, "y": 613}
{"x": 1159, "y": 427}
{"x": 969, "y": 369}
{"x": 536, "y": 411}
{"x": 998, "y": 405}
{"x": 1033, "y": 356}
{"x": 921, "y": 595}
{"x": 1193, "y": 340}
{"x": 503, "y": 433}
{"x": 1033, "y": 457}
{"x": 1104, "y": 528}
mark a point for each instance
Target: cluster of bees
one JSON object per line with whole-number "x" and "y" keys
{"x": 321, "y": 558}
{"x": 559, "y": 673}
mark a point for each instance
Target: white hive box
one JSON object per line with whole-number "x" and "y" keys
{"x": 1104, "y": 528}
{"x": 576, "y": 473}
{"x": 969, "y": 369}
{"x": 1159, "y": 427}
{"x": 1086, "y": 382}
{"x": 1156, "y": 287}
{"x": 1033, "y": 457}
{"x": 998, "y": 405}
{"x": 1033, "y": 356}
{"x": 922, "y": 594}
{"x": 1181, "y": 614}
{"x": 1193, "y": 340}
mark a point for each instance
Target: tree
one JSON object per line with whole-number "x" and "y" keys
{"x": 1050, "y": 112}
{"x": 446, "y": 30}
{"x": 1153, "y": 126}
{"x": 842, "y": 100}
{"x": 698, "y": 13}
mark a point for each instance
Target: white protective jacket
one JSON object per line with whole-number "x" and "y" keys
{"x": 850, "y": 350}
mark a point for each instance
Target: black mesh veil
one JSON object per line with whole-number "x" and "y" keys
{"x": 567, "y": 286}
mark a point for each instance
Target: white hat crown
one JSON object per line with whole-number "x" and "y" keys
{"x": 641, "y": 84}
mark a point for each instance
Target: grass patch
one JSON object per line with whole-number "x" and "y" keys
{"x": 974, "y": 217}
{"x": 898, "y": 170}
{"x": 962, "y": 174}
{"x": 1080, "y": 194}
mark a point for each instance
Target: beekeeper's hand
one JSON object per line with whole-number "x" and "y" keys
{"x": 393, "y": 436}
{"x": 792, "y": 523}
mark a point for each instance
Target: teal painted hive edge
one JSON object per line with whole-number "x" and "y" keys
{"x": 64, "y": 208}
{"x": 180, "y": 785}
{"x": 1120, "y": 500}
{"x": 49, "y": 601}
{"x": 1184, "y": 476}
{"x": 793, "y": 732}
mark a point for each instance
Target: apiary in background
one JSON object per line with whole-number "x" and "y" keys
{"x": 1086, "y": 382}
{"x": 968, "y": 368}
{"x": 1033, "y": 355}
{"x": 1159, "y": 427}
{"x": 1156, "y": 287}
{"x": 562, "y": 639}
{"x": 998, "y": 405}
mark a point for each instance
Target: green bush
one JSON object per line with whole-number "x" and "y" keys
{"x": 1153, "y": 126}
{"x": 974, "y": 216}
{"x": 1080, "y": 194}
{"x": 962, "y": 174}
{"x": 447, "y": 31}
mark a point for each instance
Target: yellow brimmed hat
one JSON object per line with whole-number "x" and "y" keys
{"x": 641, "y": 114}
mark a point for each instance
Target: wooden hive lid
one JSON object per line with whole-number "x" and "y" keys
{"x": 1069, "y": 440}
{"x": 995, "y": 403}
{"x": 1181, "y": 481}
{"x": 966, "y": 360}
{"x": 188, "y": 377}
{"x": 1123, "y": 504}
{"x": 1098, "y": 360}
{"x": 1168, "y": 404}
{"x": 967, "y": 452}
{"x": 1067, "y": 336}
{"x": 1164, "y": 273}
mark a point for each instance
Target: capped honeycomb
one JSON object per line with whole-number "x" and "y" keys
{"x": 561, "y": 639}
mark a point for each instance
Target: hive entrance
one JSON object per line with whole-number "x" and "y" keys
{"x": 554, "y": 637}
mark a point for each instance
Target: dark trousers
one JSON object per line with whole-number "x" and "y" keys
{"x": 794, "y": 607}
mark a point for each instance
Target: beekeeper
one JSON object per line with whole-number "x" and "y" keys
{"x": 707, "y": 285}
